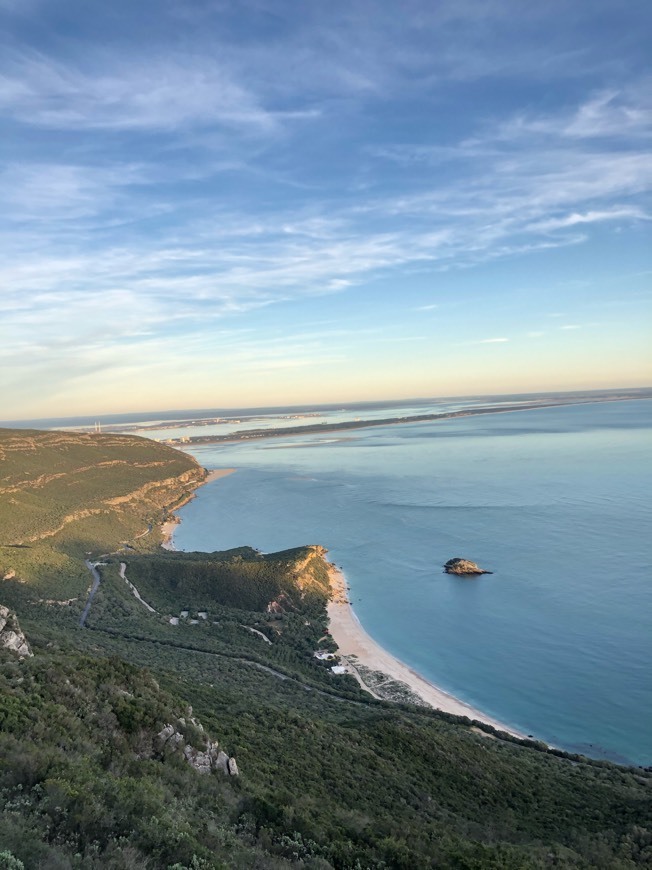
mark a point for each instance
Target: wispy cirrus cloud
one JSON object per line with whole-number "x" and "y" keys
{"x": 163, "y": 93}
{"x": 612, "y": 113}
{"x": 589, "y": 217}
{"x": 202, "y": 163}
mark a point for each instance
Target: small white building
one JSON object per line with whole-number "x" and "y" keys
{"x": 339, "y": 669}
{"x": 324, "y": 655}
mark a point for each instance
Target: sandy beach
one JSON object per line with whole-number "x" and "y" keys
{"x": 168, "y": 527}
{"x": 357, "y": 647}
{"x": 353, "y": 640}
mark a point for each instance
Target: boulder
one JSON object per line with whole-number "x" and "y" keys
{"x": 11, "y": 637}
{"x": 205, "y": 760}
{"x": 222, "y": 762}
{"x": 463, "y": 567}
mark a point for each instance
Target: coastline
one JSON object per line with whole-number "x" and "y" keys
{"x": 356, "y": 647}
{"x": 322, "y": 428}
{"x": 168, "y": 527}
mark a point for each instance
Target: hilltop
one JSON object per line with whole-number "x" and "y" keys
{"x": 67, "y": 495}
{"x": 120, "y": 741}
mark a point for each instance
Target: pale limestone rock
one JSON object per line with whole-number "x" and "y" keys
{"x": 164, "y": 735}
{"x": 222, "y": 762}
{"x": 11, "y": 637}
{"x": 176, "y": 740}
{"x": 205, "y": 760}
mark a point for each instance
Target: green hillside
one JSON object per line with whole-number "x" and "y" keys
{"x": 329, "y": 777}
{"x": 65, "y": 495}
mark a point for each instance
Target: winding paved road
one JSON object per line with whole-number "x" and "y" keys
{"x": 96, "y": 585}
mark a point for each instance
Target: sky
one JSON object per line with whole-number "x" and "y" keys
{"x": 207, "y": 203}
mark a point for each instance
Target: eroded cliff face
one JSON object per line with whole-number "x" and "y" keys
{"x": 11, "y": 636}
{"x": 311, "y": 573}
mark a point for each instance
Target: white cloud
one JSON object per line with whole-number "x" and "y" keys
{"x": 619, "y": 114}
{"x": 176, "y": 194}
{"x": 163, "y": 93}
{"x": 571, "y": 220}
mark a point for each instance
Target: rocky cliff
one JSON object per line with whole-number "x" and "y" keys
{"x": 11, "y": 637}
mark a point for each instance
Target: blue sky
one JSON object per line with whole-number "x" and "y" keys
{"x": 206, "y": 203}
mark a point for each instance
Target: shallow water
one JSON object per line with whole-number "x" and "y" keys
{"x": 555, "y": 501}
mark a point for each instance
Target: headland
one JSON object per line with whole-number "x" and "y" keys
{"x": 362, "y": 654}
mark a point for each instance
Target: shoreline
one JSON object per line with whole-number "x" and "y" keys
{"x": 354, "y": 642}
{"x": 169, "y": 525}
{"x": 359, "y": 649}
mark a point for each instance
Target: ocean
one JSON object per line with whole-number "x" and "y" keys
{"x": 555, "y": 501}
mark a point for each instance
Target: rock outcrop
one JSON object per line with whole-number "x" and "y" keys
{"x": 208, "y": 759}
{"x": 463, "y": 566}
{"x": 11, "y": 637}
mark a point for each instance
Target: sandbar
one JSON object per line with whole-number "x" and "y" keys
{"x": 353, "y": 640}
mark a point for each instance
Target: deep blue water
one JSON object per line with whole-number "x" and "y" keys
{"x": 557, "y": 642}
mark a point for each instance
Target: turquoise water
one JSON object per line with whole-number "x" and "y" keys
{"x": 555, "y": 501}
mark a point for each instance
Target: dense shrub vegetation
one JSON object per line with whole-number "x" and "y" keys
{"x": 329, "y": 777}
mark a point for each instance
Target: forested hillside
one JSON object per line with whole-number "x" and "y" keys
{"x": 328, "y": 777}
{"x": 65, "y": 495}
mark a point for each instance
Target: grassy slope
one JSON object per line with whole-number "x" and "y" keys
{"x": 329, "y": 776}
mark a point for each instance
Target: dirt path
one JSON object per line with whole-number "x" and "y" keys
{"x": 123, "y": 574}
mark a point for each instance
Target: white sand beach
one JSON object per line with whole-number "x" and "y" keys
{"x": 353, "y": 640}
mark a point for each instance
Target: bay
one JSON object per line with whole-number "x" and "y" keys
{"x": 555, "y": 501}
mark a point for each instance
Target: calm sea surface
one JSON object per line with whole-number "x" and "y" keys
{"x": 557, "y": 642}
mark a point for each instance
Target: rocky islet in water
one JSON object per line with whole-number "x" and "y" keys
{"x": 463, "y": 567}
